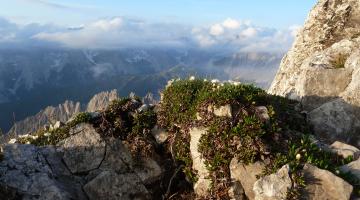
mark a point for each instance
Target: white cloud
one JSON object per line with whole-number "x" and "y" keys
{"x": 108, "y": 25}
{"x": 216, "y": 30}
{"x": 231, "y": 23}
{"x": 249, "y": 32}
{"x": 121, "y": 32}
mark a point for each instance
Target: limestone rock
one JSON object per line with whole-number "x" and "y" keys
{"x": 345, "y": 150}
{"x": 353, "y": 167}
{"x": 274, "y": 186}
{"x": 117, "y": 157}
{"x": 246, "y": 175}
{"x": 263, "y": 113}
{"x": 202, "y": 186}
{"x": 335, "y": 120}
{"x": 159, "y": 134}
{"x": 83, "y": 151}
{"x": 322, "y": 184}
{"x": 101, "y": 100}
{"x": 27, "y": 170}
{"x": 223, "y": 111}
{"x": 149, "y": 171}
{"x": 308, "y": 71}
{"x": 112, "y": 186}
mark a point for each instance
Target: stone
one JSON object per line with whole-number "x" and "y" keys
{"x": 112, "y": 186}
{"x": 274, "y": 186}
{"x": 330, "y": 94}
{"x": 335, "y": 120}
{"x": 223, "y": 111}
{"x": 245, "y": 175}
{"x": 83, "y": 151}
{"x": 263, "y": 113}
{"x": 202, "y": 186}
{"x": 143, "y": 108}
{"x": 117, "y": 157}
{"x": 236, "y": 191}
{"x": 322, "y": 184}
{"x": 28, "y": 170}
{"x": 58, "y": 124}
{"x": 149, "y": 171}
{"x": 353, "y": 168}
{"x": 345, "y": 150}
{"x": 160, "y": 135}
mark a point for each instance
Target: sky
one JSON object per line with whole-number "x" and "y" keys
{"x": 201, "y": 23}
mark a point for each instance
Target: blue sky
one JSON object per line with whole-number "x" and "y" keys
{"x": 270, "y": 13}
{"x": 252, "y": 25}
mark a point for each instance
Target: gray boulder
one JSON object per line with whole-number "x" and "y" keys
{"x": 83, "y": 151}
{"x": 245, "y": 175}
{"x": 274, "y": 186}
{"x": 112, "y": 186}
{"x": 26, "y": 170}
{"x": 322, "y": 184}
{"x": 353, "y": 168}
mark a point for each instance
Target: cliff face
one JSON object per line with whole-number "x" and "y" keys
{"x": 322, "y": 69}
{"x": 62, "y": 112}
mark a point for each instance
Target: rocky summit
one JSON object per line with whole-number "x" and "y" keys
{"x": 207, "y": 139}
{"x": 322, "y": 70}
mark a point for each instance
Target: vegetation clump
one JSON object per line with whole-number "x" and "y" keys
{"x": 44, "y": 137}
{"x": 281, "y": 139}
{"x": 339, "y": 61}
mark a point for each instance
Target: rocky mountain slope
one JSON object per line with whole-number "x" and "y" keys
{"x": 323, "y": 70}
{"x": 204, "y": 140}
{"x": 63, "y": 112}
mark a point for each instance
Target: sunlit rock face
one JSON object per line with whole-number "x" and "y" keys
{"x": 322, "y": 69}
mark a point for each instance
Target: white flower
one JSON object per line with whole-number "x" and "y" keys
{"x": 205, "y": 80}
{"x": 236, "y": 83}
{"x": 24, "y": 136}
{"x": 12, "y": 141}
{"x": 298, "y": 156}
{"x": 35, "y": 137}
{"x": 192, "y": 78}
{"x": 215, "y": 81}
{"x": 47, "y": 134}
{"x": 27, "y": 142}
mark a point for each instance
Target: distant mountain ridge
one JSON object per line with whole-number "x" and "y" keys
{"x": 62, "y": 112}
{"x": 33, "y": 79}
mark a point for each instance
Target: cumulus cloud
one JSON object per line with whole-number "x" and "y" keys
{"x": 244, "y": 36}
{"x": 216, "y": 29}
{"x": 122, "y": 32}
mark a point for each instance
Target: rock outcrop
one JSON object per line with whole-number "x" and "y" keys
{"x": 322, "y": 184}
{"x": 82, "y": 166}
{"x": 274, "y": 186}
{"x": 323, "y": 69}
{"x": 246, "y": 175}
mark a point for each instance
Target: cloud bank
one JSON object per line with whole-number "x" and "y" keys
{"x": 122, "y": 32}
